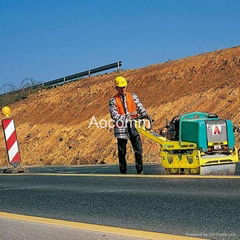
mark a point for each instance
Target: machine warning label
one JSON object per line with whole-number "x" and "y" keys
{"x": 216, "y": 129}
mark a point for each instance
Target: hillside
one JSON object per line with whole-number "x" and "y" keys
{"x": 52, "y": 125}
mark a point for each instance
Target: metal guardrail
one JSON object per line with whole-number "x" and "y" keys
{"x": 83, "y": 74}
{"x": 69, "y": 78}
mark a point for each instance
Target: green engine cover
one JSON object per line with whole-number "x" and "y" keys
{"x": 205, "y": 129}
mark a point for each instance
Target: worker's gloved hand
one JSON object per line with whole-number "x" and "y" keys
{"x": 148, "y": 124}
{"x": 147, "y": 117}
{"x": 133, "y": 115}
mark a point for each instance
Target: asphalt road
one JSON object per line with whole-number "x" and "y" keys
{"x": 207, "y": 208}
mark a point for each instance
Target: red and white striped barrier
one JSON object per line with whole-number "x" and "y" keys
{"x": 11, "y": 141}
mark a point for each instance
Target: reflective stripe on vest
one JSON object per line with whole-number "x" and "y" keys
{"x": 131, "y": 105}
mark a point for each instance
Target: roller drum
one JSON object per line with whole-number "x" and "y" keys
{"x": 223, "y": 169}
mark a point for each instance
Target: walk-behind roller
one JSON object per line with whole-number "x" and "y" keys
{"x": 196, "y": 143}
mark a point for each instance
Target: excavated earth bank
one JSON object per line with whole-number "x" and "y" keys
{"x": 52, "y": 125}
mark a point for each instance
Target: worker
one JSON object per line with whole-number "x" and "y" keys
{"x": 124, "y": 107}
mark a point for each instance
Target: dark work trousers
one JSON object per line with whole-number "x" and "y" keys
{"x": 137, "y": 147}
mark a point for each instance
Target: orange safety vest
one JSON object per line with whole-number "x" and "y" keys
{"x": 131, "y": 105}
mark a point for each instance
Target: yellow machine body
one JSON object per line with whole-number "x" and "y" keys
{"x": 180, "y": 157}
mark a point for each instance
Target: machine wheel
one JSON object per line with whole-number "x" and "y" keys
{"x": 167, "y": 170}
{"x": 195, "y": 171}
{"x": 191, "y": 171}
{"x": 171, "y": 171}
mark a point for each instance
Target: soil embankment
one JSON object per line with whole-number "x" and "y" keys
{"x": 52, "y": 125}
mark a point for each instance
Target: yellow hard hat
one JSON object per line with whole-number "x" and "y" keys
{"x": 121, "y": 81}
{"x": 6, "y": 111}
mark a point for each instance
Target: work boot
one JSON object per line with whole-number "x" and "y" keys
{"x": 139, "y": 168}
{"x": 139, "y": 163}
{"x": 122, "y": 169}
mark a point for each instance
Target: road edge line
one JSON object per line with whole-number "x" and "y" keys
{"x": 98, "y": 228}
{"x": 121, "y": 176}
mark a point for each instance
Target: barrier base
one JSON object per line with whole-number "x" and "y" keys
{"x": 14, "y": 170}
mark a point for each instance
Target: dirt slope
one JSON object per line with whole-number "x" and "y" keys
{"x": 52, "y": 125}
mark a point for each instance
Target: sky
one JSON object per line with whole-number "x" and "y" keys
{"x": 48, "y": 39}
